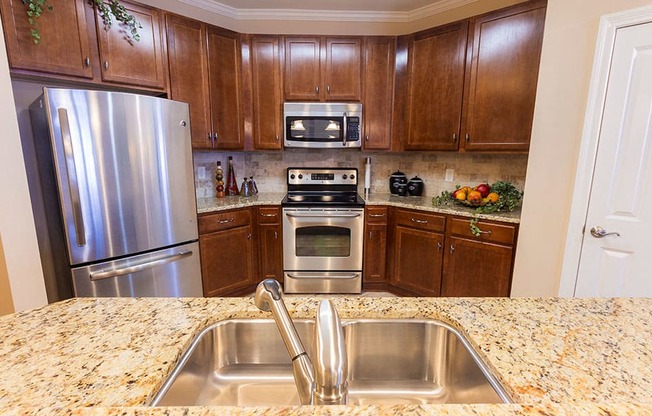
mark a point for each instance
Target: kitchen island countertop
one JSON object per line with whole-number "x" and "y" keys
{"x": 424, "y": 203}
{"x": 110, "y": 356}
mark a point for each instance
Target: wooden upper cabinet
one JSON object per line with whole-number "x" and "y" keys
{"x": 188, "y": 65}
{"x": 436, "y": 61}
{"x": 267, "y": 93}
{"x": 378, "y": 98}
{"x": 343, "y": 72}
{"x": 323, "y": 69}
{"x": 65, "y": 40}
{"x": 225, "y": 82}
{"x": 502, "y": 78}
{"x": 302, "y": 68}
{"x": 140, "y": 63}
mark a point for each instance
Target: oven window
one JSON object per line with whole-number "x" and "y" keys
{"x": 314, "y": 129}
{"x": 323, "y": 242}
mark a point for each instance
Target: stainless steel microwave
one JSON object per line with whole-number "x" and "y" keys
{"x": 322, "y": 125}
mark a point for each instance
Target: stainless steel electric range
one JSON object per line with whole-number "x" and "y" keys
{"x": 323, "y": 220}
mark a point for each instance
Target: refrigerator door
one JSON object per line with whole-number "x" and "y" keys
{"x": 170, "y": 272}
{"x": 123, "y": 164}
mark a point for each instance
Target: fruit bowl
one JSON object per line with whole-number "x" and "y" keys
{"x": 471, "y": 204}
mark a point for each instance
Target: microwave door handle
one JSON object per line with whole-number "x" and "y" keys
{"x": 345, "y": 132}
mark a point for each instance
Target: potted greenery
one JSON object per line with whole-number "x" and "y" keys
{"x": 108, "y": 10}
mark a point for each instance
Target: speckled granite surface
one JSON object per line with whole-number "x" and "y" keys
{"x": 554, "y": 356}
{"x": 424, "y": 203}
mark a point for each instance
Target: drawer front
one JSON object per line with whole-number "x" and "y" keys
{"x": 376, "y": 215}
{"x": 490, "y": 231}
{"x": 420, "y": 220}
{"x": 224, "y": 220}
{"x": 269, "y": 215}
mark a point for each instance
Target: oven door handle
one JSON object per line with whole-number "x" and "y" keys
{"x": 322, "y": 215}
{"x": 319, "y": 276}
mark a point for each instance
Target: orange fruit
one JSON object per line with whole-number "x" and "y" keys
{"x": 461, "y": 196}
{"x": 475, "y": 197}
{"x": 493, "y": 197}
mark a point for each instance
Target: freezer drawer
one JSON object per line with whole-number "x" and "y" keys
{"x": 173, "y": 272}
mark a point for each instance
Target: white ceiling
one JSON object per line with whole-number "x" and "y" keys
{"x": 330, "y": 10}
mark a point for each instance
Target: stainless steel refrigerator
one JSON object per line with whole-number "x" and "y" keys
{"x": 116, "y": 179}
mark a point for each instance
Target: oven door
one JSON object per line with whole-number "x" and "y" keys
{"x": 322, "y": 239}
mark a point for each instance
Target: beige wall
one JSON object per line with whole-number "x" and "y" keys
{"x": 566, "y": 64}
{"x": 17, "y": 232}
{"x": 6, "y": 302}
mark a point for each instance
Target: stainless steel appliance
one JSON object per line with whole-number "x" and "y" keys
{"x": 323, "y": 220}
{"x": 321, "y": 125}
{"x": 119, "y": 212}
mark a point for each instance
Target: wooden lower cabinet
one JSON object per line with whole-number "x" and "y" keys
{"x": 270, "y": 244}
{"x": 226, "y": 245}
{"x": 374, "y": 274}
{"x": 418, "y": 240}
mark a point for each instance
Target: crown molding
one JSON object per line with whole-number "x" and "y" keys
{"x": 327, "y": 15}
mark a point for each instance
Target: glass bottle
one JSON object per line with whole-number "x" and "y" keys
{"x": 244, "y": 188}
{"x": 231, "y": 184}
{"x": 219, "y": 179}
{"x": 253, "y": 189}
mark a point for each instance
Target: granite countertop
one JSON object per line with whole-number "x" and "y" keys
{"x": 110, "y": 356}
{"x": 424, "y": 203}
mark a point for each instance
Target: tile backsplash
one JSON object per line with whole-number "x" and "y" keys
{"x": 269, "y": 168}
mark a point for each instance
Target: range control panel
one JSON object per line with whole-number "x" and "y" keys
{"x": 323, "y": 176}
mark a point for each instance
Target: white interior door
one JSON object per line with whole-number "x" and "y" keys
{"x": 616, "y": 254}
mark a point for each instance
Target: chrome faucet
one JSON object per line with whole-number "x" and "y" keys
{"x": 326, "y": 381}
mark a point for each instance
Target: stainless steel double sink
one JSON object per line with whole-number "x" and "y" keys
{"x": 243, "y": 362}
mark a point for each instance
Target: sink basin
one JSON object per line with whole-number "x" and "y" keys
{"x": 243, "y": 362}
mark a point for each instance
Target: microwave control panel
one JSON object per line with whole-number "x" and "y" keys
{"x": 353, "y": 129}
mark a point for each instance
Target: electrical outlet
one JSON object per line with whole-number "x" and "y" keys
{"x": 450, "y": 174}
{"x": 201, "y": 172}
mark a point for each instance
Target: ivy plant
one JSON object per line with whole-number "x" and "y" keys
{"x": 107, "y": 9}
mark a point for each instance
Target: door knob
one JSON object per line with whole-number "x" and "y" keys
{"x": 599, "y": 232}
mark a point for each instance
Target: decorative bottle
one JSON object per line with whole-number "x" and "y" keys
{"x": 219, "y": 179}
{"x": 253, "y": 189}
{"x": 231, "y": 184}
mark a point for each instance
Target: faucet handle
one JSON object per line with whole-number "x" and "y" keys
{"x": 330, "y": 360}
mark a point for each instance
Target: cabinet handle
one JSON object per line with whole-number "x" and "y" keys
{"x": 454, "y": 137}
{"x": 275, "y": 235}
{"x": 328, "y": 89}
{"x": 452, "y": 249}
{"x": 366, "y": 138}
{"x": 484, "y": 232}
{"x": 376, "y": 215}
{"x": 419, "y": 221}
{"x": 317, "y": 89}
{"x": 106, "y": 64}
{"x": 226, "y": 220}
{"x": 438, "y": 246}
{"x": 87, "y": 61}
{"x": 467, "y": 137}
{"x": 249, "y": 236}
{"x": 210, "y": 136}
{"x": 267, "y": 215}
{"x": 277, "y": 137}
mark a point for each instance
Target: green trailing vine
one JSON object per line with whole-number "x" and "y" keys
{"x": 510, "y": 199}
{"x": 108, "y": 10}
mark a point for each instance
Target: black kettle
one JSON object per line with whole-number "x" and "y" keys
{"x": 395, "y": 179}
{"x": 415, "y": 186}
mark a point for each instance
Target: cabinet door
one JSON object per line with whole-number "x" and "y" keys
{"x": 126, "y": 61}
{"x": 267, "y": 92}
{"x": 503, "y": 77}
{"x": 270, "y": 252}
{"x": 64, "y": 48}
{"x": 225, "y": 88}
{"x": 188, "y": 62}
{"x": 436, "y": 60}
{"x": 227, "y": 261}
{"x": 378, "y": 99}
{"x": 302, "y": 69}
{"x": 418, "y": 260}
{"x": 475, "y": 268}
{"x": 375, "y": 253}
{"x": 343, "y": 71}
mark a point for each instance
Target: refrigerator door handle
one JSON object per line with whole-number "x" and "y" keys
{"x": 77, "y": 215}
{"x": 107, "y": 274}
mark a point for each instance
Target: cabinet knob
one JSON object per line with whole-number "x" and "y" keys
{"x": 275, "y": 235}
{"x": 452, "y": 250}
{"x": 467, "y": 137}
{"x": 87, "y": 61}
{"x": 249, "y": 236}
{"x": 438, "y": 246}
{"x": 317, "y": 89}
{"x": 454, "y": 137}
{"x": 366, "y": 138}
{"x": 277, "y": 137}
{"x": 106, "y": 64}
{"x": 328, "y": 89}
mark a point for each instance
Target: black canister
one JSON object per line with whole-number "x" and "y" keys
{"x": 415, "y": 186}
{"x": 402, "y": 189}
{"x": 395, "y": 179}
